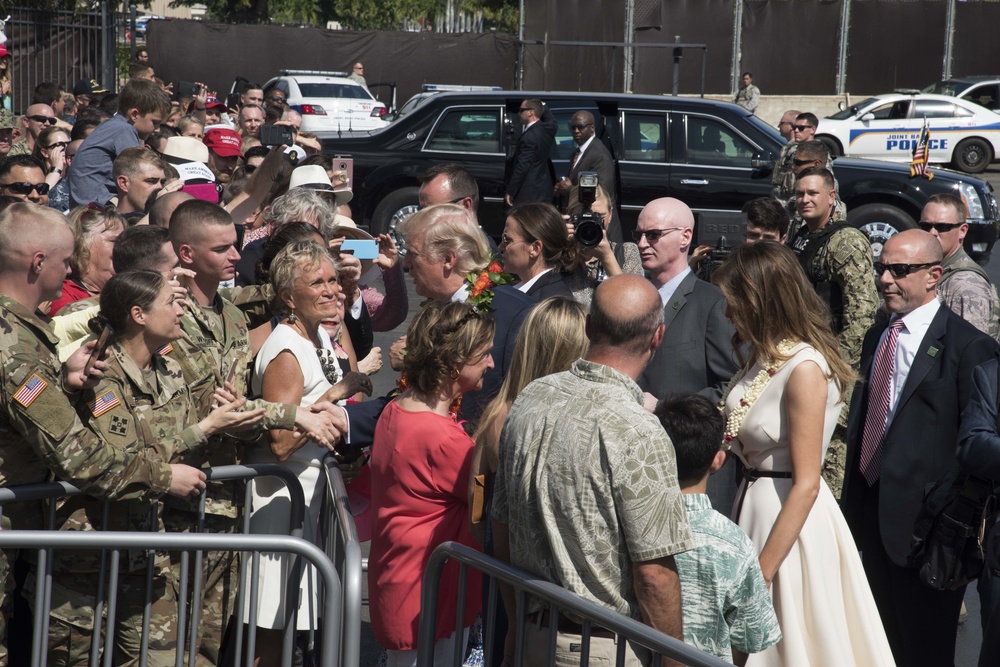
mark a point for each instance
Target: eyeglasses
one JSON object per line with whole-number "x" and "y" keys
{"x": 453, "y": 201}
{"x": 901, "y": 270}
{"x": 276, "y": 100}
{"x": 786, "y": 122}
{"x": 508, "y": 241}
{"x": 580, "y": 127}
{"x": 939, "y": 227}
{"x": 100, "y": 208}
{"x": 653, "y": 235}
{"x": 43, "y": 119}
{"x": 802, "y": 163}
{"x": 25, "y": 188}
{"x": 522, "y": 109}
{"x": 802, "y": 128}
{"x": 58, "y": 144}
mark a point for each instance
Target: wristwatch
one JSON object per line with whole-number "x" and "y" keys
{"x": 56, "y": 170}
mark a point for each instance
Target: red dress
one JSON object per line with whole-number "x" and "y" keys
{"x": 420, "y": 473}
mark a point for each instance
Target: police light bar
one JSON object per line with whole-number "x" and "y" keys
{"x": 444, "y": 87}
{"x": 310, "y": 72}
{"x": 907, "y": 91}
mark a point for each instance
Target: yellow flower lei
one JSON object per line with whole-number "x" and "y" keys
{"x": 735, "y": 421}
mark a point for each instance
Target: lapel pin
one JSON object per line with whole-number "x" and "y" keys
{"x": 932, "y": 351}
{"x": 676, "y": 305}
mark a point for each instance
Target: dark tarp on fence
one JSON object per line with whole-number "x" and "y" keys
{"x": 791, "y": 46}
{"x": 978, "y": 50}
{"x": 214, "y": 53}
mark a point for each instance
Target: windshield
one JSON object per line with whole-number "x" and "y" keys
{"x": 766, "y": 129}
{"x": 336, "y": 90}
{"x": 951, "y": 88}
{"x": 852, "y": 111}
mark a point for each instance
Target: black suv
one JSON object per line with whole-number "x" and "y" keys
{"x": 711, "y": 155}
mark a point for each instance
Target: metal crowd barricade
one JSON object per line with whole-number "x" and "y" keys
{"x": 559, "y": 600}
{"x": 344, "y": 549}
{"x": 187, "y": 632}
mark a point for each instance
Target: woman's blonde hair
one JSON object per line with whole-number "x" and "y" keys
{"x": 552, "y": 337}
{"x": 770, "y": 299}
{"x": 442, "y": 337}
{"x": 87, "y": 222}
{"x": 292, "y": 260}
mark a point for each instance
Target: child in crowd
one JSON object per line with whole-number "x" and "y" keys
{"x": 726, "y": 605}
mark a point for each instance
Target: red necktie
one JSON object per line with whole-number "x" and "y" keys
{"x": 879, "y": 395}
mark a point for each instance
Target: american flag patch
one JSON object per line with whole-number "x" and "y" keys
{"x": 104, "y": 402}
{"x": 30, "y": 390}
{"x": 166, "y": 349}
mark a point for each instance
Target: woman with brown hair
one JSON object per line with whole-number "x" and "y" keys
{"x": 780, "y": 413}
{"x": 538, "y": 250}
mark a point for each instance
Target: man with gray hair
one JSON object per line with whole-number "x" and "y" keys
{"x": 586, "y": 493}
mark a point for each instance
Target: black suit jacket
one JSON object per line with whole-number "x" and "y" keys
{"x": 510, "y": 308}
{"x": 552, "y": 283}
{"x": 919, "y": 447}
{"x": 696, "y": 356}
{"x": 597, "y": 158}
{"x": 530, "y": 174}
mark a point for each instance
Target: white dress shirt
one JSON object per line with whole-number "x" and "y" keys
{"x": 669, "y": 287}
{"x": 915, "y": 325}
{"x": 525, "y": 285}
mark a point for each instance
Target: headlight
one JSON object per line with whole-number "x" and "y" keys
{"x": 972, "y": 201}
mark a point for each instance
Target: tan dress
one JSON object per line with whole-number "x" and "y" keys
{"x": 821, "y": 595}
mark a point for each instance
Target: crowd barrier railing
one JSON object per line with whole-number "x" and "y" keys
{"x": 559, "y": 601}
{"x": 340, "y": 528}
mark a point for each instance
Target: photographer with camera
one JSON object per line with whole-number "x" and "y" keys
{"x": 537, "y": 248}
{"x": 591, "y": 213}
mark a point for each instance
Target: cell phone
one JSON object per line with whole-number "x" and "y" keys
{"x": 233, "y": 101}
{"x": 345, "y": 164}
{"x": 276, "y": 135}
{"x": 360, "y": 248}
{"x": 187, "y": 89}
{"x": 206, "y": 191}
{"x": 232, "y": 371}
{"x": 102, "y": 346}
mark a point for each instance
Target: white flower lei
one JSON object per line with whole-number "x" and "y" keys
{"x": 735, "y": 421}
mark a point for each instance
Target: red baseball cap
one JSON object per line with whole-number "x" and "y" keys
{"x": 225, "y": 143}
{"x": 214, "y": 103}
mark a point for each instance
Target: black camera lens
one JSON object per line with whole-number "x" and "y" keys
{"x": 588, "y": 229}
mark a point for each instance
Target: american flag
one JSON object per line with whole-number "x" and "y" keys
{"x": 30, "y": 390}
{"x": 104, "y": 402}
{"x": 918, "y": 166}
{"x": 166, "y": 349}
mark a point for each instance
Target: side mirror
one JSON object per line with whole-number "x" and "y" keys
{"x": 841, "y": 105}
{"x": 762, "y": 161}
{"x": 868, "y": 116}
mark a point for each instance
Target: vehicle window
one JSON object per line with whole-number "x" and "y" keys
{"x": 852, "y": 111}
{"x": 710, "y": 142}
{"x": 892, "y": 110}
{"x": 467, "y": 130}
{"x": 933, "y": 109}
{"x": 337, "y": 90}
{"x": 279, "y": 84}
{"x": 565, "y": 146}
{"x": 645, "y": 137}
{"x": 986, "y": 96}
{"x": 944, "y": 88}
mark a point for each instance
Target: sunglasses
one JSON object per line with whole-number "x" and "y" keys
{"x": 276, "y": 100}
{"x": 43, "y": 119}
{"x": 901, "y": 270}
{"x": 653, "y": 235}
{"x": 802, "y": 128}
{"x": 58, "y": 144}
{"x": 802, "y": 163}
{"x": 939, "y": 227}
{"x": 25, "y": 188}
{"x": 100, "y": 208}
{"x": 522, "y": 109}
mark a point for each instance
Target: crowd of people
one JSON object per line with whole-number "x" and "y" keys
{"x": 175, "y": 295}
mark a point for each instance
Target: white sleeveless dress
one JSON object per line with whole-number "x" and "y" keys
{"x": 821, "y": 595}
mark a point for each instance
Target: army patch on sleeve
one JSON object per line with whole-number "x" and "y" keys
{"x": 30, "y": 390}
{"x": 166, "y": 349}
{"x": 104, "y": 402}
{"x": 118, "y": 425}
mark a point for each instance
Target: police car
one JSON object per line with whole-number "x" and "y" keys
{"x": 887, "y": 127}
{"x": 328, "y": 101}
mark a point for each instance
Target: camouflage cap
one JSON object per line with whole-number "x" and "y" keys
{"x": 6, "y": 119}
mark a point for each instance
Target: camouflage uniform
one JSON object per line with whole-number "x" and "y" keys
{"x": 967, "y": 290}
{"x": 43, "y": 437}
{"x": 132, "y": 411}
{"x": 841, "y": 270}
{"x": 215, "y": 339}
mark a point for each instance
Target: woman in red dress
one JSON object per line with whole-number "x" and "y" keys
{"x": 421, "y": 459}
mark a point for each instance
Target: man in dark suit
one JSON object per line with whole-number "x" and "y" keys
{"x": 916, "y": 375}
{"x": 696, "y": 356}
{"x": 590, "y": 155}
{"x": 530, "y": 174}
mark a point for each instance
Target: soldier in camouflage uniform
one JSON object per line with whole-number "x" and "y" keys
{"x": 141, "y": 404}
{"x": 215, "y": 344}
{"x": 964, "y": 286}
{"x": 806, "y": 155}
{"x": 42, "y": 435}
{"x": 837, "y": 259}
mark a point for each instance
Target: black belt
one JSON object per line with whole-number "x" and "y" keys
{"x": 751, "y": 475}
{"x": 542, "y": 618}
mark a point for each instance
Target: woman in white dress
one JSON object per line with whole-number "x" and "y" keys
{"x": 781, "y": 411}
{"x": 296, "y": 365}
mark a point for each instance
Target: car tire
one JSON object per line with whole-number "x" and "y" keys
{"x": 880, "y": 222}
{"x": 832, "y": 145}
{"x": 394, "y": 208}
{"x": 972, "y": 155}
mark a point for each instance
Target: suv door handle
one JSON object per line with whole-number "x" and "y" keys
{"x": 694, "y": 181}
